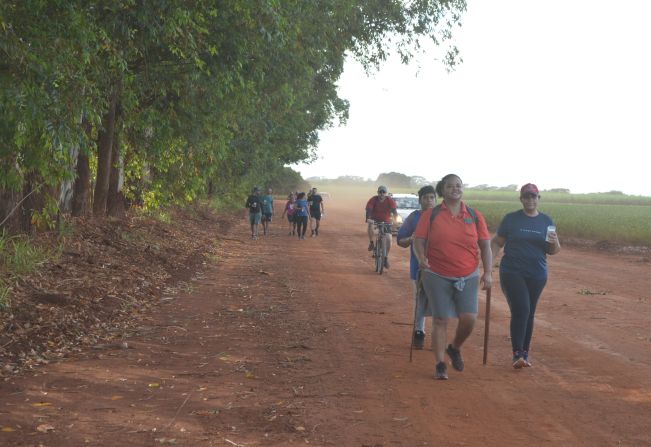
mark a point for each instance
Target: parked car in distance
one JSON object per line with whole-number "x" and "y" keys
{"x": 406, "y": 204}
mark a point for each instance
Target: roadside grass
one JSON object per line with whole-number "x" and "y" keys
{"x": 616, "y": 218}
{"x": 19, "y": 255}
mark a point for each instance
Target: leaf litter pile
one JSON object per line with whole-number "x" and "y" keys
{"x": 107, "y": 275}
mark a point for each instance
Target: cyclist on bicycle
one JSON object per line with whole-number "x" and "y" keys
{"x": 379, "y": 209}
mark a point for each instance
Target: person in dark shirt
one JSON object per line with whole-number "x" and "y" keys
{"x": 527, "y": 236}
{"x": 254, "y": 205}
{"x": 405, "y": 238}
{"x": 316, "y": 211}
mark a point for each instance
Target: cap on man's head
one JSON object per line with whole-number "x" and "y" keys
{"x": 382, "y": 189}
{"x": 529, "y": 188}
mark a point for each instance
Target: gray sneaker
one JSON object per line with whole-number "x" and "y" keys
{"x": 441, "y": 371}
{"x": 455, "y": 357}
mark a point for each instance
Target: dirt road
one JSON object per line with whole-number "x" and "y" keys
{"x": 285, "y": 342}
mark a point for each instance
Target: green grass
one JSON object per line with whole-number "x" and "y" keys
{"x": 19, "y": 256}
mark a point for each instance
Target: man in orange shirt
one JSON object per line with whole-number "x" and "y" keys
{"x": 447, "y": 248}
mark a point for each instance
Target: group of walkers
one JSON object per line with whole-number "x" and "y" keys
{"x": 300, "y": 209}
{"x": 447, "y": 242}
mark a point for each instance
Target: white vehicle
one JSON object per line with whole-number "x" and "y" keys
{"x": 406, "y": 204}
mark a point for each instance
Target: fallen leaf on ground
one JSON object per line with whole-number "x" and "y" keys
{"x": 116, "y": 397}
{"x": 154, "y": 385}
{"x": 42, "y": 404}
{"x": 6, "y": 429}
{"x": 45, "y": 428}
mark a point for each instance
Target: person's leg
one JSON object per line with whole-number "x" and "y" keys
{"x": 316, "y": 228}
{"x": 535, "y": 288}
{"x": 388, "y": 239}
{"x": 304, "y": 227}
{"x": 371, "y": 236}
{"x": 464, "y": 329}
{"x": 438, "y": 292}
{"x": 516, "y": 292}
{"x": 439, "y": 337}
{"x": 299, "y": 225}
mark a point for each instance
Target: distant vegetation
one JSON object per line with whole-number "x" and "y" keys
{"x": 612, "y": 216}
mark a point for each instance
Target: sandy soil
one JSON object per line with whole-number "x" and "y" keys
{"x": 284, "y": 342}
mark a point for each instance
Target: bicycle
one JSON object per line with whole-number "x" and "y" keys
{"x": 380, "y": 248}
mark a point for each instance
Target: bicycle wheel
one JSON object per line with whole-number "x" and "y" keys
{"x": 382, "y": 255}
{"x": 376, "y": 255}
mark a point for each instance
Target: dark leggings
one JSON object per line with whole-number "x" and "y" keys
{"x": 301, "y": 221}
{"x": 522, "y": 295}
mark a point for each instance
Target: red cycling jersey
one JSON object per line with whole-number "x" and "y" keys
{"x": 380, "y": 210}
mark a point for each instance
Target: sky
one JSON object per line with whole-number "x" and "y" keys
{"x": 557, "y": 93}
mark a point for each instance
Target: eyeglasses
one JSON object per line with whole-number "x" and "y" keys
{"x": 530, "y": 196}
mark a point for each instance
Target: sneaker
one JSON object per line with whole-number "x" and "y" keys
{"x": 518, "y": 360}
{"x": 455, "y": 356}
{"x": 527, "y": 363}
{"x": 316, "y": 232}
{"x": 386, "y": 263}
{"x": 441, "y": 371}
{"x": 419, "y": 339}
{"x": 371, "y": 246}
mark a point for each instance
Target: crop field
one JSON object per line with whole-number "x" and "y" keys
{"x": 615, "y": 218}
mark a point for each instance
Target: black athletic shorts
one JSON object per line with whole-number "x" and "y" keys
{"x": 315, "y": 214}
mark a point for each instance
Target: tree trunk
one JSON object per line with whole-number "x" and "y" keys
{"x": 30, "y": 204}
{"x": 9, "y": 219}
{"x": 104, "y": 151}
{"x": 115, "y": 202}
{"x": 81, "y": 196}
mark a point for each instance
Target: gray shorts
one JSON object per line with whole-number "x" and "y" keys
{"x": 447, "y": 301}
{"x": 254, "y": 218}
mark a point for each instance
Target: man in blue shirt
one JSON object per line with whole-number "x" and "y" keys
{"x": 427, "y": 199}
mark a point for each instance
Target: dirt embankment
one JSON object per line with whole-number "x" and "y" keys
{"x": 283, "y": 342}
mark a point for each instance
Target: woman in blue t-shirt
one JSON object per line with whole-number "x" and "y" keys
{"x": 301, "y": 215}
{"x": 527, "y": 236}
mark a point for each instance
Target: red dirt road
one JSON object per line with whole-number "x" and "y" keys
{"x": 285, "y": 342}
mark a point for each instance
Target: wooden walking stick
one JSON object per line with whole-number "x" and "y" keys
{"x": 487, "y": 321}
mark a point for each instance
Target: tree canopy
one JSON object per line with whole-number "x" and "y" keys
{"x": 160, "y": 102}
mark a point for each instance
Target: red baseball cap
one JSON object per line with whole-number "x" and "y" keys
{"x": 529, "y": 188}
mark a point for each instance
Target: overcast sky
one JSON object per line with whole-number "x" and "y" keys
{"x": 557, "y": 93}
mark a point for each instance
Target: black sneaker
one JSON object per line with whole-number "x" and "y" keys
{"x": 441, "y": 371}
{"x": 371, "y": 246}
{"x": 419, "y": 339}
{"x": 455, "y": 356}
{"x": 386, "y": 263}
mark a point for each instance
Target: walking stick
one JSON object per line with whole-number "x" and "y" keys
{"x": 487, "y": 321}
{"x": 413, "y": 326}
